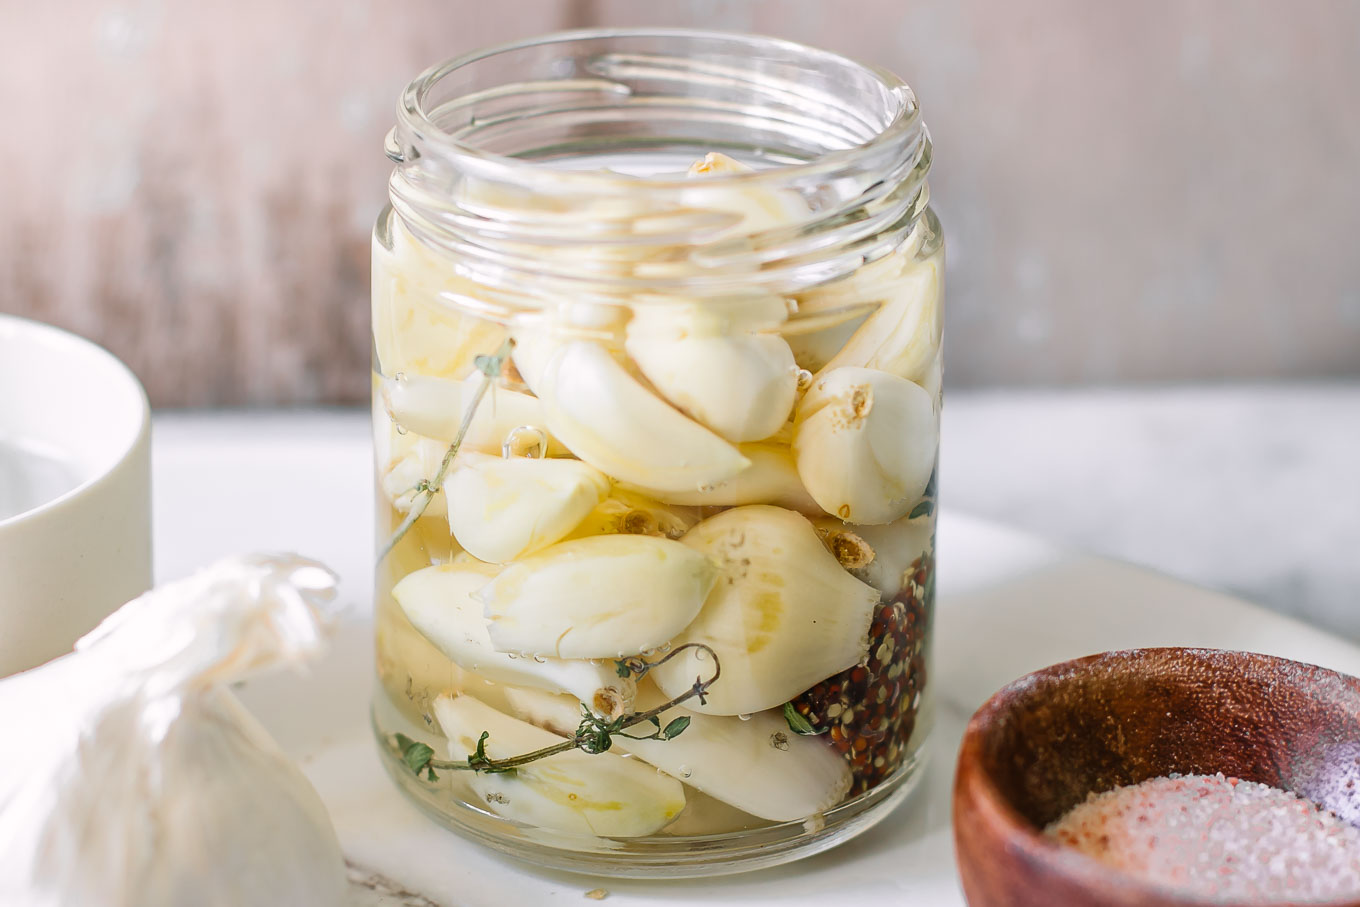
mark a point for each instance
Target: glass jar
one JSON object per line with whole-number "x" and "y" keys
{"x": 656, "y": 326}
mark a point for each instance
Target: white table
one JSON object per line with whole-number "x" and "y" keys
{"x": 1009, "y": 603}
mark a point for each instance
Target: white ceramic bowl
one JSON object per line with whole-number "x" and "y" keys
{"x": 75, "y": 490}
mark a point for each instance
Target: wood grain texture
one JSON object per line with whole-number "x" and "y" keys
{"x": 1157, "y": 191}
{"x": 193, "y": 185}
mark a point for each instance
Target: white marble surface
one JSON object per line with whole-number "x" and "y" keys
{"x": 1010, "y": 603}
{"x": 1250, "y": 489}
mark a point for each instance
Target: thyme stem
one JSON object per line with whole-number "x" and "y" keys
{"x": 490, "y": 366}
{"x": 594, "y": 733}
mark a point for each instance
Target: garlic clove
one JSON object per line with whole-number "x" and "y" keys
{"x": 438, "y": 601}
{"x": 865, "y": 442}
{"x": 600, "y": 794}
{"x": 758, "y": 207}
{"x": 782, "y": 617}
{"x": 784, "y": 776}
{"x": 415, "y": 331}
{"x": 506, "y": 508}
{"x": 815, "y": 340}
{"x": 879, "y": 555}
{"x": 435, "y": 408}
{"x": 607, "y": 418}
{"x": 742, "y": 387}
{"x": 606, "y": 596}
{"x": 414, "y": 461}
{"x": 904, "y": 334}
{"x": 631, "y": 513}
{"x": 771, "y": 478}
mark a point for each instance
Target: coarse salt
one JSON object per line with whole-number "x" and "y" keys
{"x": 1219, "y": 838}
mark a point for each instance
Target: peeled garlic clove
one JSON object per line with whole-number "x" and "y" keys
{"x": 904, "y": 334}
{"x": 414, "y": 461}
{"x": 601, "y": 597}
{"x": 815, "y": 343}
{"x": 784, "y": 776}
{"x": 771, "y": 478}
{"x": 414, "y": 330}
{"x": 932, "y": 379}
{"x": 607, "y": 418}
{"x": 782, "y": 617}
{"x": 742, "y": 386}
{"x": 758, "y": 207}
{"x": 507, "y": 508}
{"x": 438, "y": 602}
{"x": 865, "y": 444}
{"x": 600, "y": 794}
{"x": 879, "y": 555}
{"x": 436, "y": 407}
{"x": 631, "y": 513}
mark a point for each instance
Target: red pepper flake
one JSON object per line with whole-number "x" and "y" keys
{"x": 871, "y": 708}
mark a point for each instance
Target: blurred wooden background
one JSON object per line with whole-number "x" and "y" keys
{"x": 1158, "y": 191}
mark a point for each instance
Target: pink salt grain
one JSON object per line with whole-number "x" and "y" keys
{"x": 1218, "y": 838}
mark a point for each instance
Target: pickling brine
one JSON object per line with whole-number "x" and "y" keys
{"x": 656, "y": 432}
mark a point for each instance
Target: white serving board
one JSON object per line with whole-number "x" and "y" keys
{"x": 1009, "y": 604}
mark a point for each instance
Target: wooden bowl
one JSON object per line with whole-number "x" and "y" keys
{"x": 1042, "y": 744}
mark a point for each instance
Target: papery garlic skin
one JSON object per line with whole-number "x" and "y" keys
{"x": 439, "y": 603}
{"x": 607, "y": 596}
{"x": 784, "y": 777}
{"x": 508, "y": 508}
{"x": 782, "y": 616}
{"x": 865, "y": 444}
{"x": 591, "y": 794}
{"x": 140, "y": 780}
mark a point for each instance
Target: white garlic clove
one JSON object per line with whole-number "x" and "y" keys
{"x": 784, "y": 776}
{"x": 741, "y": 386}
{"x": 816, "y": 339}
{"x": 504, "y": 508}
{"x": 772, "y": 478}
{"x": 415, "y": 330}
{"x": 879, "y": 555}
{"x": 600, "y": 794}
{"x": 904, "y": 334}
{"x": 436, "y": 407}
{"x": 606, "y": 596}
{"x": 631, "y": 513}
{"x": 932, "y": 378}
{"x": 756, "y": 207}
{"x": 782, "y": 617}
{"x": 607, "y": 418}
{"x": 865, "y": 444}
{"x": 414, "y": 463}
{"x": 438, "y": 602}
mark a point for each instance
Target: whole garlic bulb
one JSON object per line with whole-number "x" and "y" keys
{"x": 140, "y": 781}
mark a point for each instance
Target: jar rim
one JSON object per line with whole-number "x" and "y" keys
{"x": 901, "y": 130}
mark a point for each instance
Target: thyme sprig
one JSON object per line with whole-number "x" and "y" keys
{"x": 490, "y": 366}
{"x": 595, "y": 734}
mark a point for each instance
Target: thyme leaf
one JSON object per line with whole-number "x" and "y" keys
{"x": 797, "y": 723}
{"x": 593, "y": 735}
